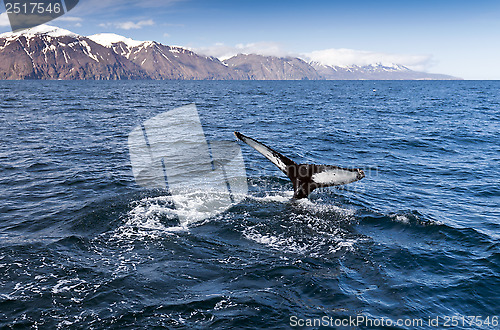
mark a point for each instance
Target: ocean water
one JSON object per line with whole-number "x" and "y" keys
{"x": 417, "y": 240}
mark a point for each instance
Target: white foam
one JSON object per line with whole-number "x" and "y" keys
{"x": 154, "y": 217}
{"x": 67, "y": 285}
{"x": 284, "y": 244}
{"x": 196, "y": 206}
{"x": 344, "y": 244}
{"x": 224, "y": 304}
{"x": 316, "y": 207}
{"x": 279, "y": 197}
{"x": 317, "y": 246}
{"x": 311, "y": 228}
{"x": 304, "y": 203}
{"x": 401, "y": 218}
{"x": 145, "y": 218}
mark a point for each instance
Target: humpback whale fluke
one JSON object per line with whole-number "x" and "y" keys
{"x": 305, "y": 177}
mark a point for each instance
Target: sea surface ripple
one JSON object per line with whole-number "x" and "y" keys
{"x": 83, "y": 246}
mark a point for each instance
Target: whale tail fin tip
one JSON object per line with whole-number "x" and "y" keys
{"x": 281, "y": 161}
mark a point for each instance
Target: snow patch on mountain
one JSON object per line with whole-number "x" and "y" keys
{"x": 44, "y": 29}
{"x": 108, "y": 39}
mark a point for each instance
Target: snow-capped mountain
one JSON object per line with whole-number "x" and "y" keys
{"x": 48, "y": 52}
{"x": 171, "y": 62}
{"x": 375, "y": 71}
{"x": 165, "y": 62}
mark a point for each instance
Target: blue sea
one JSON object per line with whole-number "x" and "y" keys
{"x": 415, "y": 244}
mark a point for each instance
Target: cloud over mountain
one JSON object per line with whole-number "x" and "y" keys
{"x": 343, "y": 57}
{"x": 129, "y": 25}
{"x": 48, "y": 52}
{"x": 223, "y": 52}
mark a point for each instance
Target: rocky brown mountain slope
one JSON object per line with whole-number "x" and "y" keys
{"x": 47, "y": 52}
{"x": 258, "y": 67}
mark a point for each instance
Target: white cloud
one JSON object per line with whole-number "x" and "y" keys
{"x": 334, "y": 57}
{"x": 65, "y": 18}
{"x": 129, "y": 25}
{"x": 346, "y": 57}
{"x": 90, "y": 7}
{"x": 224, "y": 52}
{"x": 4, "y": 20}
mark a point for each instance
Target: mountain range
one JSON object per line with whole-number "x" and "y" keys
{"x": 47, "y": 52}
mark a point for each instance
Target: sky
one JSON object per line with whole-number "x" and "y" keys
{"x": 459, "y": 38}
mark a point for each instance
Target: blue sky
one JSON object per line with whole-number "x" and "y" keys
{"x": 460, "y": 38}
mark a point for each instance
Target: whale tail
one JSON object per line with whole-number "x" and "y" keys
{"x": 305, "y": 177}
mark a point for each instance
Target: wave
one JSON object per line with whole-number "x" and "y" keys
{"x": 320, "y": 227}
{"x": 272, "y": 220}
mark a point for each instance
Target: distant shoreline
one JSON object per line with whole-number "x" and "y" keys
{"x": 51, "y": 53}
